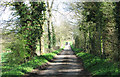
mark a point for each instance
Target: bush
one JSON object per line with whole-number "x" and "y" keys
{"x": 76, "y": 50}
{"x": 18, "y": 51}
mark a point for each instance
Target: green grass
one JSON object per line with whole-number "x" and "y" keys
{"x": 19, "y": 70}
{"x": 50, "y": 56}
{"x": 96, "y": 66}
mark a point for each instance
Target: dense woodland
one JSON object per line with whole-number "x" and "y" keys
{"x": 96, "y": 30}
{"x": 99, "y": 29}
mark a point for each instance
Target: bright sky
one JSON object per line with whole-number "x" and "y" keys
{"x": 58, "y": 15}
{"x": 61, "y": 14}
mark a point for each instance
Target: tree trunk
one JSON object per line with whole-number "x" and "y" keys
{"x": 49, "y": 22}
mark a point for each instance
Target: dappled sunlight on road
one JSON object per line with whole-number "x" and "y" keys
{"x": 64, "y": 64}
{"x": 62, "y": 56}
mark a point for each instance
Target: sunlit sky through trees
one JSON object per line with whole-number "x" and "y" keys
{"x": 59, "y": 12}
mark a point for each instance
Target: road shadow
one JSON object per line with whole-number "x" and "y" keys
{"x": 66, "y": 64}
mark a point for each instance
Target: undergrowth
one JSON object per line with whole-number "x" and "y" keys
{"x": 97, "y": 66}
{"x": 19, "y": 70}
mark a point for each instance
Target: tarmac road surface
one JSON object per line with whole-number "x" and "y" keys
{"x": 64, "y": 65}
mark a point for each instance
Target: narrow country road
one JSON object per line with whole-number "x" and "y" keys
{"x": 64, "y": 65}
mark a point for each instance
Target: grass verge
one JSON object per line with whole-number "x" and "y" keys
{"x": 96, "y": 66}
{"x": 19, "y": 70}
